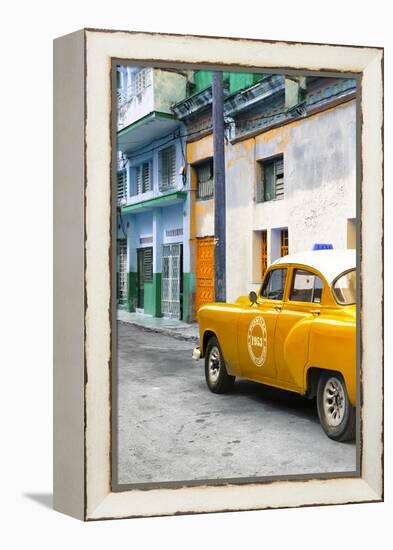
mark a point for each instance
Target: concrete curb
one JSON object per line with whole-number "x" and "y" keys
{"x": 166, "y": 331}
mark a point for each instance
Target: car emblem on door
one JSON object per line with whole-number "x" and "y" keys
{"x": 257, "y": 340}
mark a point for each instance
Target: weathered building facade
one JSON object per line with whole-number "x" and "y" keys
{"x": 290, "y": 175}
{"x": 153, "y": 200}
{"x": 290, "y": 153}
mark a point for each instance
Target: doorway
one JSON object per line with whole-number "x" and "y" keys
{"x": 145, "y": 273}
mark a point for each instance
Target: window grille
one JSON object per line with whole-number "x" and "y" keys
{"x": 174, "y": 232}
{"x": 205, "y": 181}
{"x": 171, "y": 281}
{"x": 284, "y": 242}
{"x": 122, "y": 291}
{"x": 167, "y": 168}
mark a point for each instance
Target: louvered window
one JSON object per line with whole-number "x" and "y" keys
{"x": 271, "y": 184}
{"x": 121, "y": 187}
{"x": 143, "y": 178}
{"x": 205, "y": 181}
{"x": 167, "y": 168}
{"x": 148, "y": 265}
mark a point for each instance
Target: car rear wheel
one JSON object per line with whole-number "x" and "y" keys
{"x": 336, "y": 414}
{"x": 217, "y": 378}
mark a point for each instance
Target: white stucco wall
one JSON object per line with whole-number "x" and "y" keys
{"x": 320, "y": 191}
{"x": 164, "y": 88}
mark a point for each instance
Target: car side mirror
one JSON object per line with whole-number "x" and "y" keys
{"x": 253, "y": 297}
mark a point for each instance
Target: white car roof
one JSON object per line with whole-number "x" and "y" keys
{"x": 328, "y": 262}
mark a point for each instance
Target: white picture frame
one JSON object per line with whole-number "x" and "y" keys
{"x": 83, "y": 110}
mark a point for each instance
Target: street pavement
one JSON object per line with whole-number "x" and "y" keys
{"x": 172, "y": 428}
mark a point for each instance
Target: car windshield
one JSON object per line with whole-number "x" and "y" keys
{"x": 344, "y": 288}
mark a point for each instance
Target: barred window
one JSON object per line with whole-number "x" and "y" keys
{"x": 205, "y": 181}
{"x": 167, "y": 168}
{"x": 284, "y": 249}
{"x": 271, "y": 184}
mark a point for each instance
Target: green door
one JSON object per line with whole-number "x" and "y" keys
{"x": 145, "y": 273}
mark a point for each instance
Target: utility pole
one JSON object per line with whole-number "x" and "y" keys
{"x": 219, "y": 188}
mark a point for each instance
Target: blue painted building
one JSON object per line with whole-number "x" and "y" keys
{"x": 153, "y": 196}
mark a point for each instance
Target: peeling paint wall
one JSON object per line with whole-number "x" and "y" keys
{"x": 169, "y": 88}
{"x": 202, "y": 210}
{"x": 320, "y": 190}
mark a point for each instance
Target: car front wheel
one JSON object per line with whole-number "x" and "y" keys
{"x": 217, "y": 378}
{"x": 336, "y": 414}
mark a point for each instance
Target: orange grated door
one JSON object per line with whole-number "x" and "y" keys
{"x": 204, "y": 272}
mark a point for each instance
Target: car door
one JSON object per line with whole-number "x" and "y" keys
{"x": 303, "y": 304}
{"x": 257, "y": 325}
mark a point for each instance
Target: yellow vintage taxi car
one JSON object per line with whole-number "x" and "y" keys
{"x": 297, "y": 333}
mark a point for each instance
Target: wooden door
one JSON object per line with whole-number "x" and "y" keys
{"x": 204, "y": 272}
{"x": 145, "y": 273}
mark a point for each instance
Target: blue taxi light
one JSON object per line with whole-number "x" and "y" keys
{"x": 322, "y": 246}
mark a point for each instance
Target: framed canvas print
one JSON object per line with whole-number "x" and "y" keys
{"x": 218, "y": 274}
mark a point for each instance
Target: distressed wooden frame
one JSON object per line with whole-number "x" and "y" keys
{"x": 82, "y": 254}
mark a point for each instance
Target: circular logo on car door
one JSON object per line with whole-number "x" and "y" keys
{"x": 257, "y": 341}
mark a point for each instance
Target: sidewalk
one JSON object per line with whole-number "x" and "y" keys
{"x": 171, "y": 327}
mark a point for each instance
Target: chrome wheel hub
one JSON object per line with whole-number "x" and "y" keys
{"x": 334, "y": 401}
{"x": 214, "y": 364}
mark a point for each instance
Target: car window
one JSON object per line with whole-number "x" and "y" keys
{"x": 344, "y": 288}
{"x": 306, "y": 287}
{"x": 274, "y": 284}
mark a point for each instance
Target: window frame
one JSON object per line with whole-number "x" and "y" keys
{"x": 163, "y": 188}
{"x": 335, "y": 281}
{"x": 196, "y": 167}
{"x": 265, "y": 280}
{"x": 292, "y": 282}
{"x": 133, "y": 188}
{"x": 260, "y": 198}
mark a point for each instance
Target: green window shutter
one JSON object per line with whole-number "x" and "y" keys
{"x": 269, "y": 191}
{"x": 271, "y": 185}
